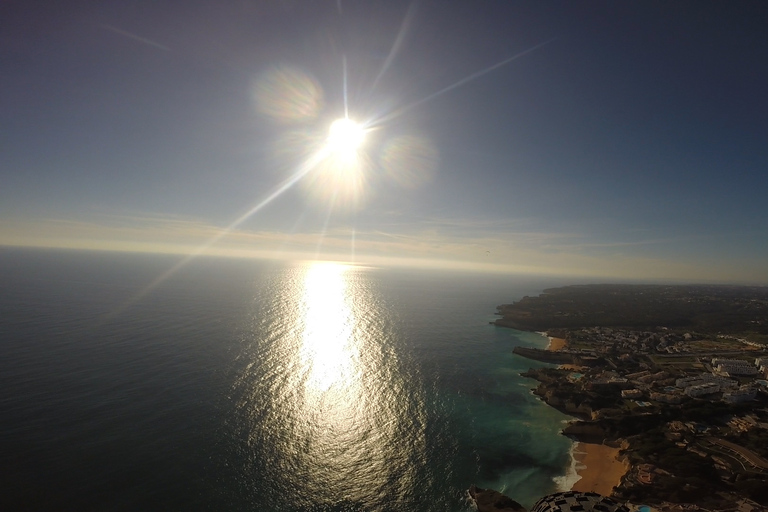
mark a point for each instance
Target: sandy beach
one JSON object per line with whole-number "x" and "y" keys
{"x": 599, "y": 468}
{"x": 556, "y": 343}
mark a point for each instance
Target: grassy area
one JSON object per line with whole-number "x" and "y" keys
{"x": 758, "y": 338}
{"x": 680, "y": 363}
{"x": 716, "y": 345}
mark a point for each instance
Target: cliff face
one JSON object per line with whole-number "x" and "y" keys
{"x": 546, "y": 356}
{"x": 567, "y": 406}
{"x": 582, "y": 429}
{"x": 521, "y": 324}
{"x": 556, "y": 357}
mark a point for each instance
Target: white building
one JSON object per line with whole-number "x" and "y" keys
{"x": 742, "y": 368}
{"x": 723, "y": 382}
{"x": 702, "y": 389}
{"x": 735, "y": 363}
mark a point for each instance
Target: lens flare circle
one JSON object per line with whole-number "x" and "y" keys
{"x": 287, "y": 94}
{"x": 410, "y": 161}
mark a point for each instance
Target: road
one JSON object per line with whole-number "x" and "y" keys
{"x": 749, "y": 456}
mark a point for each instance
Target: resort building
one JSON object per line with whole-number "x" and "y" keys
{"x": 731, "y": 369}
{"x": 722, "y": 381}
{"x": 702, "y": 389}
{"x": 743, "y": 394}
{"x": 734, "y": 366}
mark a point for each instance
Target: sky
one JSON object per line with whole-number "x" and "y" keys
{"x": 614, "y": 140}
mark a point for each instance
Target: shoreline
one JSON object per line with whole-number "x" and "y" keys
{"x": 571, "y": 476}
{"x": 555, "y": 344}
{"x": 594, "y": 467}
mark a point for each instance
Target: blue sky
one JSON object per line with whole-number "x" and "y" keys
{"x": 630, "y": 142}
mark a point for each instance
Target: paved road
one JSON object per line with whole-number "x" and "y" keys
{"x": 748, "y": 455}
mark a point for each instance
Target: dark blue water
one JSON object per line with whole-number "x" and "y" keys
{"x": 245, "y": 385}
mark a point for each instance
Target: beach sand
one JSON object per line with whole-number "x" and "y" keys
{"x": 556, "y": 343}
{"x": 599, "y": 468}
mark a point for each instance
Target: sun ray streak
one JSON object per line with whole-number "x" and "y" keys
{"x": 308, "y": 165}
{"x": 346, "y": 102}
{"x": 134, "y": 36}
{"x": 396, "y": 45}
{"x": 397, "y": 113}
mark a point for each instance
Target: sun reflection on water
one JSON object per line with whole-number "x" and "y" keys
{"x": 328, "y": 347}
{"x": 340, "y": 408}
{"x": 328, "y": 414}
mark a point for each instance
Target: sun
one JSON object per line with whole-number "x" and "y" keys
{"x": 339, "y": 172}
{"x": 345, "y": 136}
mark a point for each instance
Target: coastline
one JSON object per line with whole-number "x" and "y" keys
{"x": 594, "y": 467}
{"x": 556, "y": 344}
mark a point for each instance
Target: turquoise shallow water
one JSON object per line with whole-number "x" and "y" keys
{"x": 245, "y": 385}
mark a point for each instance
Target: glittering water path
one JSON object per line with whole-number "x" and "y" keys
{"x": 247, "y": 386}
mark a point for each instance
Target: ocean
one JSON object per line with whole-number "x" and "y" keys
{"x": 252, "y": 385}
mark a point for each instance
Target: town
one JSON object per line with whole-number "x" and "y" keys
{"x": 687, "y": 404}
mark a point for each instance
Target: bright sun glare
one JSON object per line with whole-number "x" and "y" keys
{"x": 345, "y": 136}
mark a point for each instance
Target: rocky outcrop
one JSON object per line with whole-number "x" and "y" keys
{"x": 585, "y": 431}
{"x": 566, "y": 405}
{"x": 488, "y": 500}
{"x": 541, "y": 376}
{"x": 546, "y": 356}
